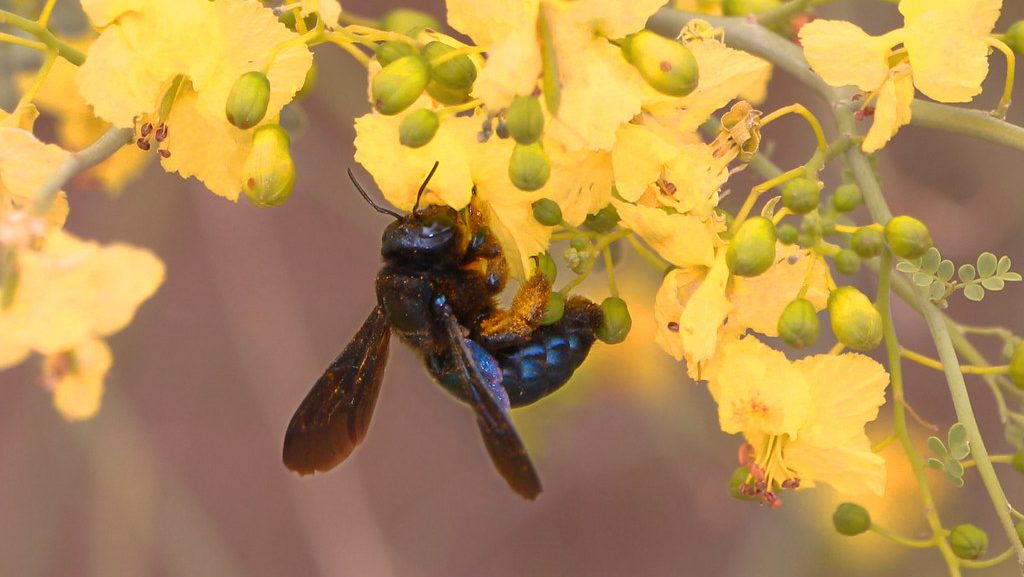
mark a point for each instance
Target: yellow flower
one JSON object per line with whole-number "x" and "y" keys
{"x": 599, "y": 90}
{"x": 174, "y": 64}
{"x": 804, "y": 420}
{"x": 684, "y": 240}
{"x": 700, "y": 310}
{"x": 74, "y": 290}
{"x": 943, "y": 52}
{"x": 76, "y": 377}
{"x": 25, "y": 166}
{"x": 77, "y": 127}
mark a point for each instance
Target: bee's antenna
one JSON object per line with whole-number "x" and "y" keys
{"x": 369, "y": 200}
{"x": 423, "y": 186}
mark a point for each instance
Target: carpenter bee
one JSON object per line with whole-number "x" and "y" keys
{"x": 443, "y": 270}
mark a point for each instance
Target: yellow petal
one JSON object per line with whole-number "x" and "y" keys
{"x": 703, "y": 316}
{"x": 675, "y": 291}
{"x": 25, "y": 167}
{"x": 851, "y": 469}
{"x": 103, "y": 12}
{"x": 697, "y": 177}
{"x": 758, "y": 301}
{"x": 681, "y": 239}
{"x": 843, "y": 54}
{"x": 78, "y": 391}
{"x": 946, "y": 42}
{"x": 612, "y": 18}
{"x": 759, "y": 391}
{"x": 638, "y": 158}
{"x": 892, "y": 110}
{"x": 488, "y": 22}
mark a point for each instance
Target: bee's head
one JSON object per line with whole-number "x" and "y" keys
{"x": 430, "y": 236}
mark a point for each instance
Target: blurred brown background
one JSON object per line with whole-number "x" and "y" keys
{"x": 180, "y": 473}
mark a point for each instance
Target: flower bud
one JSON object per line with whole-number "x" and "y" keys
{"x": 851, "y": 519}
{"x": 787, "y": 233}
{"x": 525, "y": 120}
{"x": 1016, "y": 373}
{"x": 867, "y": 242}
{"x": 1018, "y": 461}
{"x": 847, "y": 261}
{"x": 968, "y": 541}
{"x": 268, "y": 174}
{"x": 667, "y": 65}
{"x": 847, "y": 197}
{"x": 798, "y": 325}
{"x": 580, "y": 242}
{"x": 248, "y": 99}
{"x": 556, "y": 308}
{"x": 752, "y": 249}
{"x": 746, "y": 7}
{"x": 418, "y": 128}
{"x": 908, "y": 237}
{"x": 388, "y": 52}
{"x": 399, "y": 84}
{"x": 801, "y": 195}
{"x": 405, "y": 21}
{"x": 603, "y": 220}
{"x": 448, "y": 96}
{"x": 855, "y": 321}
{"x": 529, "y": 168}
{"x": 546, "y": 266}
{"x": 1014, "y": 37}
{"x": 616, "y": 321}
{"x": 547, "y": 212}
{"x": 457, "y": 73}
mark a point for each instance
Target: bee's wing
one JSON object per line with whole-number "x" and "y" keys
{"x": 490, "y": 403}
{"x": 334, "y": 416}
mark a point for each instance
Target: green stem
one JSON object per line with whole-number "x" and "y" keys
{"x": 68, "y": 52}
{"x": 905, "y": 541}
{"x": 588, "y": 266}
{"x": 105, "y": 146}
{"x": 966, "y": 121}
{"x": 988, "y": 562}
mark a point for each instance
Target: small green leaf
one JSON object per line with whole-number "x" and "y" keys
{"x": 923, "y": 279}
{"x": 953, "y": 468}
{"x": 930, "y": 261}
{"x": 1010, "y": 276}
{"x": 937, "y": 291}
{"x": 946, "y": 270}
{"x": 974, "y": 292}
{"x": 935, "y": 444}
{"x": 955, "y": 481}
{"x": 959, "y": 448}
{"x": 967, "y": 273}
{"x": 906, "y": 266}
{"x": 993, "y": 283}
{"x": 1004, "y": 265}
{"x": 935, "y": 463}
{"x": 987, "y": 264}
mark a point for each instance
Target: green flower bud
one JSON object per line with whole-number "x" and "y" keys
{"x": 752, "y": 249}
{"x": 404, "y": 21}
{"x": 529, "y": 168}
{"x": 908, "y": 237}
{"x": 847, "y": 261}
{"x": 968, "y": 541}
{"x": 798, "y": 325}
{"x": 851, "y": 519}
{"x": 248, "y": 99}
{"x": 801, "y": 195}
{"x": 1015, "y": 37}
{"x": 847, "y": 197}
{"x": 546, "y": 266}
{"x": 787, "y": 233}
{"x": 616, "y": 321}
{"x": 855, "y": 321}
{"x": 867, "y": 242}
{"x": 1018, "y": 461}
{"x": 312, "y": 76}
{"x": 268, "y": 174}
{"x": 448, "y": 96}
{"x": 580, "y": 242}
{"x": 603, "y": 220}
{"x": 547, "y": 212}
{"x": 457, "y": 73}
{"x": 525, "y": 120}
{"x": 399, "y": 84}
{"x": 388, "y": 52}
{"x": 667, "y": 65}
{"x": 556, "y": 308}
{"x": 418, "y": 128}
{"x": 746, "y": 7}
{"x": 1017, "y": 366}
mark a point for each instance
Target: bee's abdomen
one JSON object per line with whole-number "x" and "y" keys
{"x": 538, "y": 368}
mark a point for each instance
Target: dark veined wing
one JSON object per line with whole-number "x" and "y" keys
{"x": 334, "y": 416}
{"x": 491, "y": 407}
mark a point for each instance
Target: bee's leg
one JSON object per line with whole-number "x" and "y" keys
{"x": 515, "y": 326}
